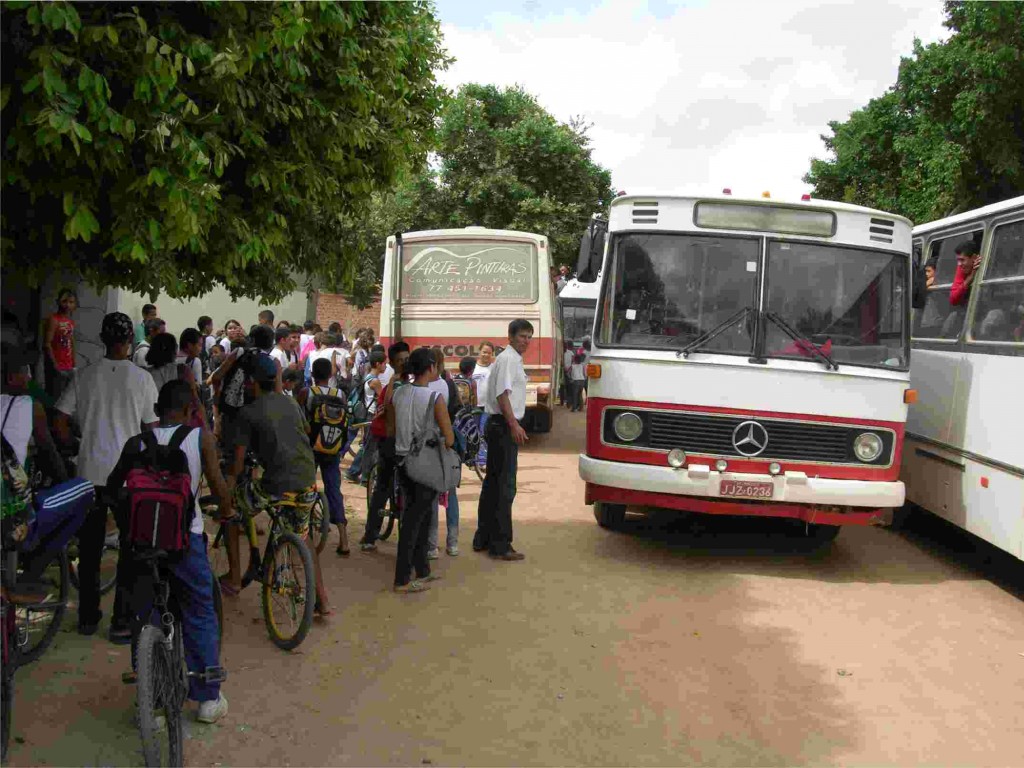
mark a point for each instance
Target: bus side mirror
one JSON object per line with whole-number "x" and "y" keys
{"x": 588, "y": 265}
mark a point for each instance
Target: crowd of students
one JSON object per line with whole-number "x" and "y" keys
{"x": 295, "y": 398}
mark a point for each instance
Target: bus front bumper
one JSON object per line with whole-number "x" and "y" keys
{"x": 697, "y": 488}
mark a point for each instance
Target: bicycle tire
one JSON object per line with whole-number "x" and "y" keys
{"x": 279, "y": 579}
{"x": 319, "y": 522}
{"x": 49, "y": 613}
{"x": 387, "y": 519}
{"x": 158, "y": 694}
{"x": 106, "y": 584}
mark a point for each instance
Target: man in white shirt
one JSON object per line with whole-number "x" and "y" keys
{"x": 111, "y": 400}
{"x": 505, "y": 404}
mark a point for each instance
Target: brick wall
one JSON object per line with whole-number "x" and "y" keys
{"x": 333, "y": 307}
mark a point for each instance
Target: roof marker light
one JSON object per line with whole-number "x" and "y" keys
{"x": 805, "y": 198}
{"x": 727, "y": 191}
{"x": 766, "y": 193}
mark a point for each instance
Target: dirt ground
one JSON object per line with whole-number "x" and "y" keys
{"x": 681, "y": 640}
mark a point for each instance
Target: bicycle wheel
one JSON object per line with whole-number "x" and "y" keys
{"x": 288, "y": 590}
{"x": 38, "y": 623}
{"x": 108, "y": 562}
{"x": 319, "y": 522}
{"x": 159, "y": 701}
{"x": 387, "y": 518}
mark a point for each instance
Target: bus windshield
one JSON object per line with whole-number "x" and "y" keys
{"x": 469, "y": 270}
{"x": 843, "y": 305}
{"x": 848, "y": 302}
{"x": 669, "y": 289}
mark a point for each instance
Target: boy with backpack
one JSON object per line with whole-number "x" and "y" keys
{"x": 327, "y": 413}
{"x": 158, "y": 473}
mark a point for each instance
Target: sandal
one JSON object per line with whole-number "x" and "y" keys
{"x": 342, "y": 552}
{"x": 411, "y": 587}
{"x": 321, "y": 612}
{"x": 432, "y": 577}
{"x": 226, "y": 588}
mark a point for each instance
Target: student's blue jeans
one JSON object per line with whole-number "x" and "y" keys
{"x": 192, "y": 585}
{"x": 481, "y": 456}
{"x": 451, "y": 518}
{"x": 330, "y": 471}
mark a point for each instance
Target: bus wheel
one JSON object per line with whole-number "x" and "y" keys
{"x": 610, "y": 516}
{"x": 541, "y": 421}
{"x": 818, "y": 535}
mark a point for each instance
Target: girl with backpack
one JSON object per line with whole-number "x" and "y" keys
{"x": 415, "y": 405}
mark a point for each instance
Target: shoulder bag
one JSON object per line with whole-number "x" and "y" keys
{"x": 429, "y": 461}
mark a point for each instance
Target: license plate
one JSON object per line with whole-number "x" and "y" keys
{"x": 746, "y": 489}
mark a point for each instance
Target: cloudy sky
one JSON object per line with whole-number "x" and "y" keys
{"x": 695, "y": 95}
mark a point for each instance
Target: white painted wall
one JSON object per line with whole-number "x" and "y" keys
{"x": 218, "y": 304}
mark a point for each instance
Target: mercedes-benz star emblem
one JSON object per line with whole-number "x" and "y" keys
{"x": 749, "y": 438}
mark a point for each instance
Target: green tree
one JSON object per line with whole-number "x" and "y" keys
{"x": 502, "y": 162}
{"x": 949, "y": 135}
{"x": 166, "y": 147}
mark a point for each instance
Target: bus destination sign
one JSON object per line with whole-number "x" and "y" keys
{"x": 469, "y": 271}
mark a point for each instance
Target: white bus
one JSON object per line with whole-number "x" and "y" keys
{"x": 453, "y": 288}
{"x": 964, "y": 457}
{"x": 578, "y": 304}
{"x": 751, "y": 357}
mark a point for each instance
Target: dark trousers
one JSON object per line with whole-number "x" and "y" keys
{"x": 90, "y": 551}
{"x": 494, "y": 512}
{"x": 414, "y": 531}
{"x": 330, "y": 471}
{"x": 576, "y": 394}
{"x": 382, "y": 490}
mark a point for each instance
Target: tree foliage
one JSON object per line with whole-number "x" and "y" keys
{"x": 949, "y": 135}
{"x": 167, "y": 147}
{"x": 502, "y": 162}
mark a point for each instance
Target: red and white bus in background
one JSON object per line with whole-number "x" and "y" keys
{"x": 750, "y": 357}
{"x": 453, "y": 288}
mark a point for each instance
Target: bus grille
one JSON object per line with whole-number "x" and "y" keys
{"x": 787, "y": 440}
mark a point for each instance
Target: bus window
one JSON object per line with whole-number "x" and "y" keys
{"x": 999, "y": 314}
{"x": 938, "y": 319}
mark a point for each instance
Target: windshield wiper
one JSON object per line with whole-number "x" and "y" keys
{"x": 714, "y": 333}
{"x": 801, "y": 342}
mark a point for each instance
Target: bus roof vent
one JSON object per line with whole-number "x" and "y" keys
{"x": 881, "y": 230}
{"x": 645, "y": 212}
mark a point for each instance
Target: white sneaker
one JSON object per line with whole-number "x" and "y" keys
{"x": 433, "y": 554}
{"x": 212, "y": 711}
{"x": 453, "y": 551}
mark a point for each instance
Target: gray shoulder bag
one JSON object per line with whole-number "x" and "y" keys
{"x": 429, "y": 461}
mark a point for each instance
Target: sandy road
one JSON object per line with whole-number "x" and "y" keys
{"x": 677, "y": 641}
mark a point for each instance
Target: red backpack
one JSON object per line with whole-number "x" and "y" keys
{"x": 160, "y": 501}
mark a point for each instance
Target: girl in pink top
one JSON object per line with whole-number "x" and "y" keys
{"x": 59, "y": 343}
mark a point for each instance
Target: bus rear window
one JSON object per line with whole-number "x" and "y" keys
{"x": 464, "y": 270}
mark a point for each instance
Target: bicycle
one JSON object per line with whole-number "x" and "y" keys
{"x": 39, "y": 621}
{"x": 395, "y": 503}
{"x": 10, "y": 657}
{"x": 108, "y": 561}
{"x": 160, "y": 673}
{"x": 285, "y": 571}
{"x": 467, "y": 423}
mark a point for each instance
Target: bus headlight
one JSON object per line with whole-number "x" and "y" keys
{"x": 867, "y": 446}
{"x": 628, "y": 427}
{"x": 676, "y": 458}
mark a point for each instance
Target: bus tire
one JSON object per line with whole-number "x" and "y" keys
{"x": 540, "y": 421}
{"x": 610, "y": 516}
{"x": 818, "y": 535}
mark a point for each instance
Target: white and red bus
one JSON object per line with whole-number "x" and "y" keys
{"x": 454, "y": 288}
{"x": 751, "y": 357}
